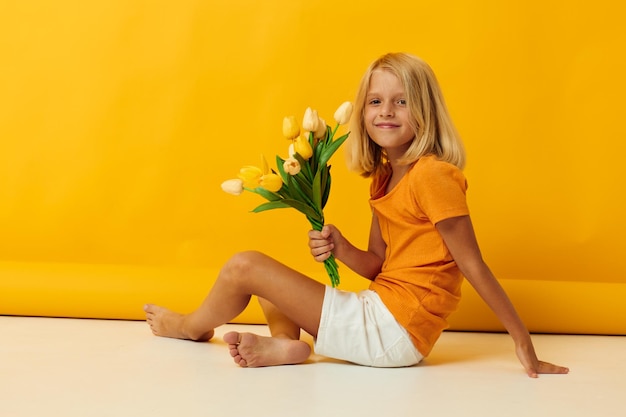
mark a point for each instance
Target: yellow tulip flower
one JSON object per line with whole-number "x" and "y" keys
{"x": 234, "y": 186}
{"x": 251, "y": 176}
{"x": 321, "y": 129}
{"x": 271, "y": 182}
{"x": 291, "y": 166}
{"x": 343, "y": 113}
{"x": 302, "y": 146}
{"x": 311, "y": 120}
{"x": 291, "y": 130}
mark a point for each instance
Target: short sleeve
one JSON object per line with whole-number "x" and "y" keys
{"x": 439, "y": 189}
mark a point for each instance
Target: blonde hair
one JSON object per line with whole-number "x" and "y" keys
{"x": 434, "y": 131}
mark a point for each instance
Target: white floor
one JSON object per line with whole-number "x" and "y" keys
{"x": 70, "y": 367}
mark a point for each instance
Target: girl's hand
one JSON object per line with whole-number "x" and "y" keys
{"x": 534, "y": 366}
{"x": 322, "y": 242}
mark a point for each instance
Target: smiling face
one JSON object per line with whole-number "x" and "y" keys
{"x": 387, "y": 114}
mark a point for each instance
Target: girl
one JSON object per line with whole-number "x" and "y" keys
{"x": 421, "y": 245}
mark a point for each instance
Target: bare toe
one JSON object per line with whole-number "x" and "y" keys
{"x": 251, "y": 350}
{"x": 166, "y": 323}
{"x": 232, "y": 338}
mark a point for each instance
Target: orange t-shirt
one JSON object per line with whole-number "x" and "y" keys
{"x": 419, "y": 282}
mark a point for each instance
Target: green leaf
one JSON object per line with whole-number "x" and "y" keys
{"x": 303, "y": 186}
{"x": 305, "y": 168}
{"x": 331, "y": 149}
{"x": 268, "y": 195}
{"x": 304, "y": 209}
{"x": 329, "y": 135}
{"x": 317, "y": 190}
{"x": 279, "y": 164}
{"x": 297, "y": 193}
{"x": 319, "y": 148}
{"x": 325, "y": 186}
{"x": 270, "y": 206}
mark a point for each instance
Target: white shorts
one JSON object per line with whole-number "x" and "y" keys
{"x": 358, "y": 327}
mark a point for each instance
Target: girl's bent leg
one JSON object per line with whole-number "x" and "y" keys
{"x": 298, "y": 297}
{"x": 279, "y": 324}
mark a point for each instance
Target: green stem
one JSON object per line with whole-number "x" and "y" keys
{"x": 332, "y": 270}
{"x": 334, "y": 131}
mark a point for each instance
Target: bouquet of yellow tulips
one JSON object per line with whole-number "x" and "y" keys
{"x": 302, "y": 181}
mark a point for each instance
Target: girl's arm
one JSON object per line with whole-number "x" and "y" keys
{"x": 365, "y": 263}
{"x": 458, "y": 235}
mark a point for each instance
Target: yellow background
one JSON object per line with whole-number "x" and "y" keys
{"x": 120, "y": 119}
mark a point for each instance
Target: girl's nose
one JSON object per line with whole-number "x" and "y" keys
{"x": 386, "y": 110}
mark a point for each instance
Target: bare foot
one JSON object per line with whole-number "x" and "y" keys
{"x": 251, "y": 351}
{"x": 166, "y": 323}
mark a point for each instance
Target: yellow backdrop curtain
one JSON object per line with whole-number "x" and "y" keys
{"x": 120, "y": 119}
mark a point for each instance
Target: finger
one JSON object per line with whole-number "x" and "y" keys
{"x": 318, "y": 243}
{"x": 314, "y": 234}
{"x": 319, "y": 251}
{"x": 321, "y": 255}
{"x": 329, "y": 248}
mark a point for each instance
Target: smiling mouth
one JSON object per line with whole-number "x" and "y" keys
{"x": 386, "y": 125}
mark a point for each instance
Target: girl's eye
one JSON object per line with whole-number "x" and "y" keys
{"x": 374, "y": 101}
{"x": 402, "y": 102}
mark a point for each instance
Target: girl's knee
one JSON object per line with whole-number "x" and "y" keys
{"x": 241, "y": 265}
